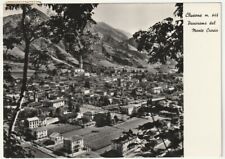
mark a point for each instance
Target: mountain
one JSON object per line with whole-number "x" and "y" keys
{"x": 115, "y": 48}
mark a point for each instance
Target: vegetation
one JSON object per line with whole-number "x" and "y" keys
{"x": 69, "y": 26}
{"x": 164, "y": 40}
{"x": 31, "y": 29}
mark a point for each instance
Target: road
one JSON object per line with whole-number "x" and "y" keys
{"x": 38, "y": 151}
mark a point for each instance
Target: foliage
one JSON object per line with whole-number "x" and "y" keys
{"x": 13, "y": 148}
{"x": 30, "y": 28}
{"x": 40, "y": 58}
{"x": 164, "y": 40}
{"x": 10, "y": 42}
{"x": 7, "y": 73}
{"x": 49, "y": 142}
{"x": 69, "y": 25}
{"x": 103, "y": 119}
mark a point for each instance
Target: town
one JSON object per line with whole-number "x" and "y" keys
{"x": 108, "y": 112}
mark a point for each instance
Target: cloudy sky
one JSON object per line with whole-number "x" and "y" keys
{"x": 128, "y": 17}
{"x": 133, "y": 17}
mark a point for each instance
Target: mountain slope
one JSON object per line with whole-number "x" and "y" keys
{"x": 115, "y": 48}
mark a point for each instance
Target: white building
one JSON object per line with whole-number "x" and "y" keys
{"x": 78, "y": 70}
{"x": 50, "y": 120}
{"x": 56, "y": 137}
{"x": 122, "y": 144}
{"x": 55, "y": 103}
{"x": 157, "y": 90}
{"x": 130, "y": 109}
{"x": 33, "y": 122}
{"x": 73, "y": 145}
{"x": 40, "y": 132}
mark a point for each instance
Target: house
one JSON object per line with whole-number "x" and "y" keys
{"x": 130, "y": 109}
{"x": 40, "y": 132}
{"x": 55, "y": 103}
{"x": 78, "y": 71}
{"x": 171, "y": 88}
{"x": 180, "y": 78}
{"x": 50, "y": 120}
{"x": 101, "y": 92}
{"x": 88, "y": 115}
{"x": 74, "y": 144}
{"x": 86, "y": 91}
{"x": 32, "y": 122}
{"x": 42, "y": 121}
{"x": 89, "y": 124}
{"x": 35, "y": 104}
{"x": 157, "y": 90}
{"x": 56, "y": 137}
{"x": 123, "y": 144}
{"x": 87, "y": 74}
{"x": 155, "y": 100}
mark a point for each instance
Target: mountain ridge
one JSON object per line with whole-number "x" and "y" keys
{"x": 115, "y": 48}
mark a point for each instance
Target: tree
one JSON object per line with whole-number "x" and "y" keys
{"x": 70, "y": 104}
{"x": 108, "y": 119}
{"x": 13, "y": 148}
{"x": 7, "y": 73}
{"x": 28, "y": 30}
{"x": 59, "y": 111}
{"x": 77, "y": 108}
{"x": 164, "y": 40}
{"x": 69, "y": 25}
{"x": 49, "y": 142}
{"x": 87, "y": 84}
{"x": 10, "y": 42}
{"x": 116, "y": 118}
{"x": 31, "y": 28}
{"x": 40, "y": 58}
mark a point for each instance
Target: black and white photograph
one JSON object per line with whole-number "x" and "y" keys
{"x": 93, "y": 80}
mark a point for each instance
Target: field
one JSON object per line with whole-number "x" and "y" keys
{"x": 98, "y": 138}
{"x": 61, "y": 128}
{"x": 132, "y": 123}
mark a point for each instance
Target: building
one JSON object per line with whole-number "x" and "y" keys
{"x": 55, "y": 103}
{"x": 89, "y": 124}
{"x": 171, "y": 88}
{"x": 40, "y": 132}
{"x": 155, "y": 100}
{"x": 123, "y": 144}
{"x": 88, "y": 115}
{"x": 32, "y": 122}
{"x": 74, "y": 144}
{"x": 56, "y": 137}
{"x": 157, "y": 90}
{"x": 78, "y": 71}
{"x": 42, "y": 121}
{"x": 86, "y": 91}
{"x": 130, "y": 109}
{"x": 50, "y": 120}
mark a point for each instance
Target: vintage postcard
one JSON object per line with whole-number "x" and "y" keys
{"x": 96, "y": 79}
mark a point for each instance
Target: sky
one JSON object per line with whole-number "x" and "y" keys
{"x": 127, "y": 17}
{"x": 133, "y": 17}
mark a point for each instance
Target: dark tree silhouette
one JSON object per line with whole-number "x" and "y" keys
{"x": 164, "y": 40}
{"x": 30, "y": 29}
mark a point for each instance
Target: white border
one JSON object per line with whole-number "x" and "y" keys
{"x": 128, "y": 1}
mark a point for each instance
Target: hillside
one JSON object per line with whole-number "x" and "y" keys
{"x": 115, "y": 48}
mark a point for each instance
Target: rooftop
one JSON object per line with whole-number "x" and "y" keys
{"x": 33, "y": 118}
{"x": 74, "y": 138}
{"x": 55, "y": 134}
{"x": 43, "y": 128}
{"x": 56, "y": 100}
